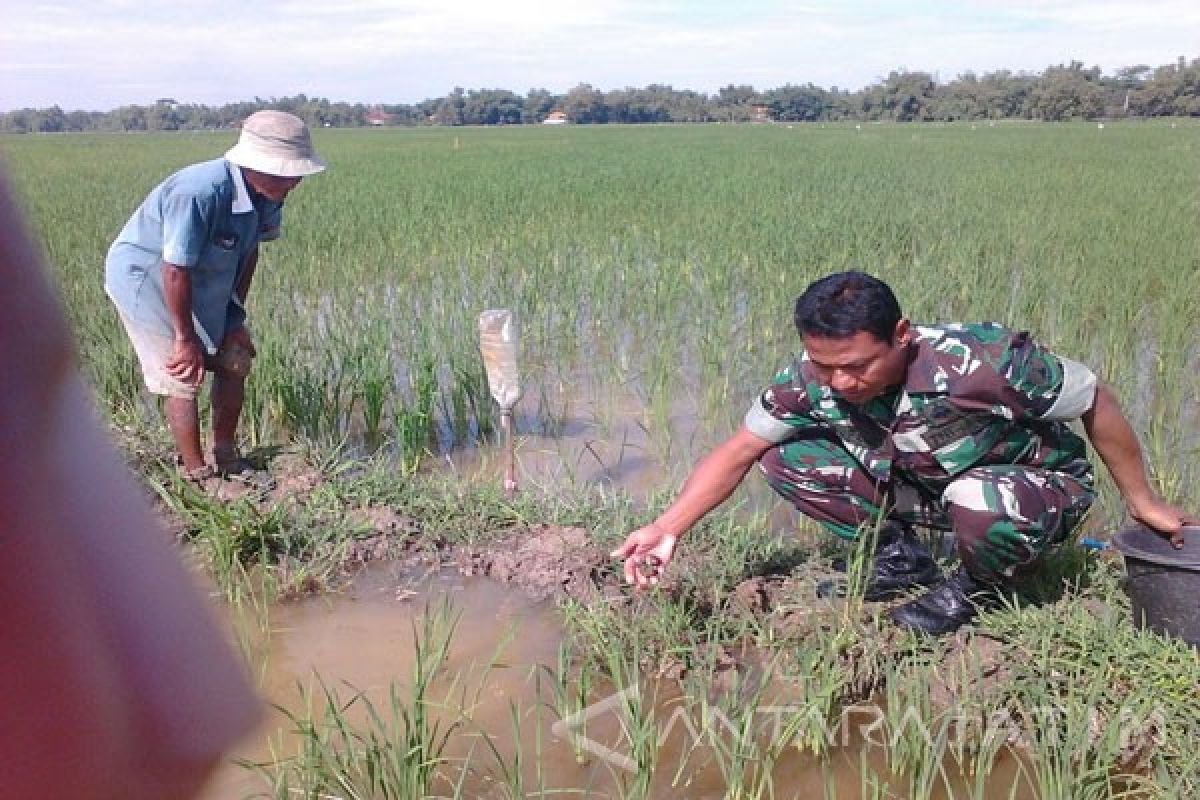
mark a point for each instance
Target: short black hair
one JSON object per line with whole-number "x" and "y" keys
{"x": 845, "y": 303}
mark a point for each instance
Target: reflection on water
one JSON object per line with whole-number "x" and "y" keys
{"x": 589, "y": 435}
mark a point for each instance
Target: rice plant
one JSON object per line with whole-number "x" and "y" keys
{"x": 395, "y": 754}
{"x": 635, "y": 279}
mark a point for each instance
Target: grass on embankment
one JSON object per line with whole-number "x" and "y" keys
{"x": 1092, "y": 707}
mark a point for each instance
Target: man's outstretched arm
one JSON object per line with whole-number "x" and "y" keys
{"x": 1114, "y": 440}
{"x": 710, "y": 483}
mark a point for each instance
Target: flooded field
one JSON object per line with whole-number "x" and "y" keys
{"x": 652, "y": 271}
{"x": 653, "y": 303}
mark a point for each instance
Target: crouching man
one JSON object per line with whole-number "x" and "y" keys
{"x": 880, "y": 425}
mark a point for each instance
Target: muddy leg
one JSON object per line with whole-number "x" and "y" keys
{"x": 228, "y": 394}
{"x": 183, "y": 419}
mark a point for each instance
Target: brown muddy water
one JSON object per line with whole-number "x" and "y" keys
{"x": 584, "y": 434}
{"x": 361, "y": 639}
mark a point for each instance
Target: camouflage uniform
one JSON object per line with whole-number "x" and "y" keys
{"x": 975, "y": 441}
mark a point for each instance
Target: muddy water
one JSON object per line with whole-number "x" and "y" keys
{"x": 363, "y": 638}
{"x": 586, "y": 434}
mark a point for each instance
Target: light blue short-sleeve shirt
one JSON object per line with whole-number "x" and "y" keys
{"x": 203, "y": 219}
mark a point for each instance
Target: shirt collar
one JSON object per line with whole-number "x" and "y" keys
{"x": 241, "y": 198}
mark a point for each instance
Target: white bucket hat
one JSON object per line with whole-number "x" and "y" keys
{"x": 276, "y": 143}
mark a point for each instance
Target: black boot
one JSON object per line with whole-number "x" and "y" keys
{"x": 948, "y": 606}
{"x": 902, "y": 564}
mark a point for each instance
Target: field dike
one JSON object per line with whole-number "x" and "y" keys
{"x": 1055, "y": 696}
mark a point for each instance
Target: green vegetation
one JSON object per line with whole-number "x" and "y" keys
{"x": 1073, "y": 701}
{"x": 653, "y": 271}
{"x": 1058, "y": 93}
{"x": 658, "y": 264}
{"x": 395, "y": 755}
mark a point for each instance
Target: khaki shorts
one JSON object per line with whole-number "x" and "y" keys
{"x": 154, "y": 351}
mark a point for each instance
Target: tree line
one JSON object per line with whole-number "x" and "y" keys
{"x": 1062, "y": 92}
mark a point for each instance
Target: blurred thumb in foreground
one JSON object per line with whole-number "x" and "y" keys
{"x": 116, "y": 681}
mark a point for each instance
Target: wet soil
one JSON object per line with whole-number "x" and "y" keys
{"x": 546, "y": 562}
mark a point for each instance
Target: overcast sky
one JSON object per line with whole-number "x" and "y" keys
{"x": 105, "y": 53}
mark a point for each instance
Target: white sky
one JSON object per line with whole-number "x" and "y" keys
{"x": 106, "y": 53}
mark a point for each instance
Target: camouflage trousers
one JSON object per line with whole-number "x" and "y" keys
{"x": 1003, "y": 516}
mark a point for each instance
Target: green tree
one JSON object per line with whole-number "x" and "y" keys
{"x": 584, "y": 105}
{"x": 450, "y": 108}
{"x": 806, "y": 103}
{"x": 907, "y": 96}
{"x": 536, "y": 105}
{"x": 736, "y": 103}
{"x": 1067, "y": 92}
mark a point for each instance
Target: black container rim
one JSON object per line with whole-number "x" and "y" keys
{"x": 1143, "y": 544}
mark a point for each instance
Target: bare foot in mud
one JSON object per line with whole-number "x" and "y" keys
{"x": 226, "y": 487}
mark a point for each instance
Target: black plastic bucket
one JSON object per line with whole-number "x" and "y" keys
{"x": 1163, "y": 583}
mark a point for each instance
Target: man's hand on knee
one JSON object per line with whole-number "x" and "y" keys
{"x": 186, "y": 363}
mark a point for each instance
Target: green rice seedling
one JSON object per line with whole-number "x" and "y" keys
{"x": 569, "y": 685}
{"x": 515, "y": 772}
{"x": 680, "y": 291}
{"x": 302, "y": 399}
{"x": 414, "y": 421}
{"x": 743, "y": 729}
{"x": 621, "y": 656}
{"x": 396, "y": 753}
{"x": 1063, "y": 747}
{"x": 375, "y": 385}
{"x": 1181, "y": 779}
{"x": 916, "y": 736}
{"x": 871, "y": 785}
{"x": 252, "y": 548}
{"x": 232, "y": 535}
{"x": 463, "y": 402}
{"x": 1108, "y": 701}
{"x": 978, "y": 732}
{"x": 511, "y": 781}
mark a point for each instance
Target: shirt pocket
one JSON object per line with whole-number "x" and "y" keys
{"x": 221, "y": 258}
{"x": 960, "y": 437}
{"x": 226, "y": 241}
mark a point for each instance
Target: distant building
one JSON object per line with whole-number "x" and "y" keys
{"x": 377, "y": 116}
{"x": 555, "y": 118}
{"x": 762, "y": 112}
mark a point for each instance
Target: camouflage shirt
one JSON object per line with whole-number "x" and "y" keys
{"x": 973, "y": 395}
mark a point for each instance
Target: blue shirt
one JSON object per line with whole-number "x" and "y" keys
{"x": 204, "y": 220}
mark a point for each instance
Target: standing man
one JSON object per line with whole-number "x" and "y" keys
{"x": 180, "y": 270}
{"x": 881, "y": 424}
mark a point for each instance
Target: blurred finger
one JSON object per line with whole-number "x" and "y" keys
{"x": 102, "y": 698}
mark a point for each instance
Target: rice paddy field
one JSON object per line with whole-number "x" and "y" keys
{"x": 653, "y": 272}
